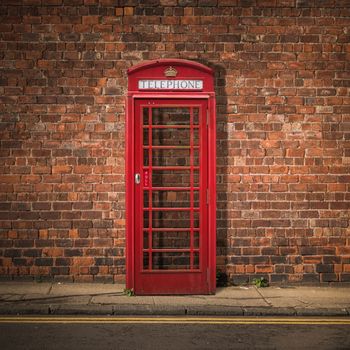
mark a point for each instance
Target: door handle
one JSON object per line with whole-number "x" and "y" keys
{"x": 137, "y": 178}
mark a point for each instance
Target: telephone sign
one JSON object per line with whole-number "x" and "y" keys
{"x": 170, "y": 84}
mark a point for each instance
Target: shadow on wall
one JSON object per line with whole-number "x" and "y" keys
{"x": 222, "y": 197}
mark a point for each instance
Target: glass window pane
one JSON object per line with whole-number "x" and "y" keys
{"x": 174, "y": 178}
{"x": 145, "y": 199}
{"x": 172, "y": 137}
{"x": 145, "y": 240}
{"x": 196, "y": 260}
{"x": 171, "y": 178}
{"x": 196, "y": 239}
{"x": 171, "y": 116}
{"x": 196, "y": 115}
{"x": 171, "y": 219}
{"x": 196, "y": 219}
{"x": 173, "y": 199}
{"x": 145, "y": 260}
{"x": 146, "y": 219}
{"x": 196, "y": 178}
{"x": 146, "y": 157}
{"x": 174, "y": 219}
{"x": 171, "y": 240}
{"x": 145, "y": 137}
{"x": 171, "y": 260}
{"x": 145, "y": 116}
{"x": 171, "y": 157}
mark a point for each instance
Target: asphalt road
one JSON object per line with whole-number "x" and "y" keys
{"x": 173, "y": 333}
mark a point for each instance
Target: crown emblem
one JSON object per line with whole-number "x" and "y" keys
{"x": 170, "y": 72}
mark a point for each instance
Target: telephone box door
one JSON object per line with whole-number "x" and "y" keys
{"x": 171, "y": 167}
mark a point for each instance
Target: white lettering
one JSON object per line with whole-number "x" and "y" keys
{"x": 170, "y": 84}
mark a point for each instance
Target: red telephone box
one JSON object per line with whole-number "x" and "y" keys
{"x": 170, "y": 178}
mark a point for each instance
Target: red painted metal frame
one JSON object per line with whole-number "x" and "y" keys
{"x": 186, "y": 70}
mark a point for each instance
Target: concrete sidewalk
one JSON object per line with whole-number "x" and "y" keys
{"x": 109, "y": 299}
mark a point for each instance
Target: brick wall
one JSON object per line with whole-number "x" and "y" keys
{"x": 282, "y": 83}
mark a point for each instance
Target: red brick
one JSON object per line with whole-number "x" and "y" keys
{"x": 54, "y": 252}
{"x": 61, "y": 169}
{"x": 9, "y": 179}
{"x": 128, "y": 11}
{"x": 82, "y": 169}
{"x": 283, "y": 132}
{"x": 90, "y": 19}
{"x": 263, "y": 269}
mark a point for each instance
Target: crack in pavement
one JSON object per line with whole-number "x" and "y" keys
{"x": 262, "y": 296}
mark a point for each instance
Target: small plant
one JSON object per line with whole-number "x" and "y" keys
{"x": 261, "y": 282}
{"x": 129, "y": 292}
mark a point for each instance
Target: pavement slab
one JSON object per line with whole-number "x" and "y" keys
{"x": 214, "y": 310}
{"x": 81, "y": 300}
{"x": 85, "y": 288}
{"x": 81, "y": 310}
{"x": 20, "y": 288}
{"x": 122, "y": 299}
{"x": 299, "y": 297}
{"x": 321, "y": 312}
{"x": 141, "y": 309}
{"x": 15, "y": 309}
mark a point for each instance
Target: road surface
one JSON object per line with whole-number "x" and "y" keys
{"x": 78, "y": 333}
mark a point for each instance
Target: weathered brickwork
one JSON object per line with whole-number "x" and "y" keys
{"x": 282, "y": 82}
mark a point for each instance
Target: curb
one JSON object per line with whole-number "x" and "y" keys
{"x": 168, "y": 310}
